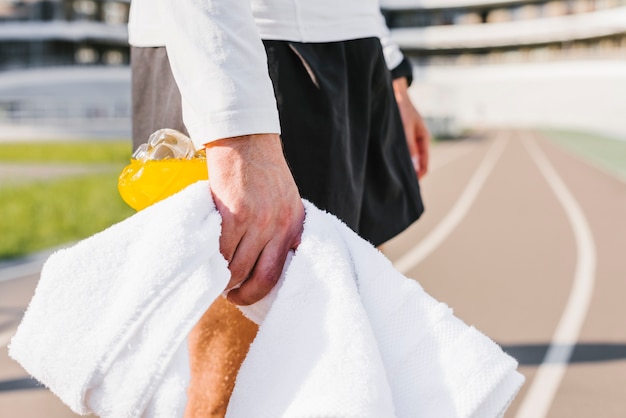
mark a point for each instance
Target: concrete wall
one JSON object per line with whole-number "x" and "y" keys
{"x": 580, "y": 95}
{"x": 89, "y": 102}
{"x": 590, "y": 95}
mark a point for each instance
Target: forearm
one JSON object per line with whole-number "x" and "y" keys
{"x": 415, "y": 129}
{"x": 401, "y": 91}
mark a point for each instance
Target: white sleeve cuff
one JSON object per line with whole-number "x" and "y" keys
{"x": 231, "y": 124}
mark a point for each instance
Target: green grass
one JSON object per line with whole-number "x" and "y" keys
{"x": 609, "y": 153}
{"x": 84, "y": 152}
{"x": 40, "y": 214}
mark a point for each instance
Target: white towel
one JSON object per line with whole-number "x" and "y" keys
{"x": 342, "y": 335}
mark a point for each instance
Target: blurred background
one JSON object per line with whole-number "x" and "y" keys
{"x": 515, "y": 63}
{"x": 524, "y": 232}
{"x": 64, "y": 68}
{"x": 478, "y": 63}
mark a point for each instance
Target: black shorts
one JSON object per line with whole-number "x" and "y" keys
{"x": 341, "y": 129}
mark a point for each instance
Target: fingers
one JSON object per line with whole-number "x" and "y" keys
{"x": 255, "y": 277}
{"x": 228, "y": 241}
{"x": 422, "y": 165}
{"x": 243, "y": 261}
{"x": 415, "y": 129}
{"x": 423, "y": 154}
{"x": 262, "y": 279}
{"x": 260, "y": 253}
{"x": 234, "y": 246}
{"x": 412, "y": 145}
{"x": 420, "y": 138}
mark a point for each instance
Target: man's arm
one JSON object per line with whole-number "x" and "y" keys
{"x": 220, "y": 67}
{"x": 417, "y": 136}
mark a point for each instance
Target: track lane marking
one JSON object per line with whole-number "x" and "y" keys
{"x": 542, "y": 391}
{"x": 452, "y": 219}
{"x": 5, "y": 337}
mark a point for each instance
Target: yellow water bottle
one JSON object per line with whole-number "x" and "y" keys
{"x": 164, "y": 165}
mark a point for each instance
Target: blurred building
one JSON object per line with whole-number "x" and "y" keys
{"x": 44, "y": 33}
{"x": 559, "y": 63}
{"x": 477, "y": 63}
{"x": 64, "y": 68}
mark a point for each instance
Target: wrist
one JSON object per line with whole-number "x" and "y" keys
{"x": 404, "y": 70}
{"x": 232, "y": 154}
{"x": 401, "y": 90}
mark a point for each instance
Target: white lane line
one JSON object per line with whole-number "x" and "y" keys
{"x": 427, "y": 245}
{"x": 550, "y": 373}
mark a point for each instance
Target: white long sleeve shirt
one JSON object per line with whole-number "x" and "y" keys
{"x": 218, "y": 59}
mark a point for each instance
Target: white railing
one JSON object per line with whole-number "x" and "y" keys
{"x": 81, "y": 100}
{"x": 21, "y": 111}
{"x": 530, "y": 55}
{"x": 526, "y": 32}
{"x": 70, "y": 31}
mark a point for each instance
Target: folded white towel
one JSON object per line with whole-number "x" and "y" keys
{"x": 109, "y": 313}
{"x": 342, "y": 335}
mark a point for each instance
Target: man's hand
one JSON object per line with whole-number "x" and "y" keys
{"x": 262, "y": 213}
{"x": 417, "y": 136}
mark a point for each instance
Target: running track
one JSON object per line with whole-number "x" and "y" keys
{"x": 524, "y": 240}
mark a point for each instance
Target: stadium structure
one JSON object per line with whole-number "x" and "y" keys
{"x": 482, "y": 63}
{"x": 64, "y": 69}
{"x": 477, "y": 63}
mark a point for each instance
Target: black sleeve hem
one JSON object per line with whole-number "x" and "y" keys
{"x": 404, "y": 69}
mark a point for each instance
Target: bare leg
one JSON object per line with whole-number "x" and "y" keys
{"x": 218, "y": 345}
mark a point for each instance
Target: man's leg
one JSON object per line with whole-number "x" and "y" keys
{"x": 218, "y": 344}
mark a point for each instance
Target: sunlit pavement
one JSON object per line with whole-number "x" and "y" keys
{"x": 524, "y": 240}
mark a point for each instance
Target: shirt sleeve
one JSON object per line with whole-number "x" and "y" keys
{"x": 391, "y": 50}
{"x": 220, "y": 67}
